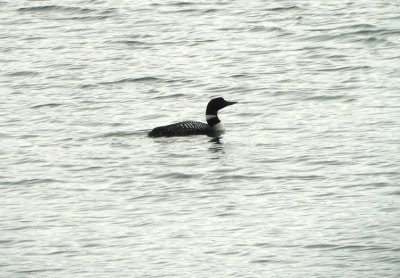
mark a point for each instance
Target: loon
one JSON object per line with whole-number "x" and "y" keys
{"x": 213, "y": 127}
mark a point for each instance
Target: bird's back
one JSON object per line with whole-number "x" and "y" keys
{"x": 181, "y": 129}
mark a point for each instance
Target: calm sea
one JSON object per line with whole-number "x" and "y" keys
{"x": 304, "y": 183}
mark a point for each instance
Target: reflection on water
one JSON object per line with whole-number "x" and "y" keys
{"x": 217, "y": 148}
{"x": 216, "y": 140}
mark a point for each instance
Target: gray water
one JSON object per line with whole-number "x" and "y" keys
{"x": 304, "y": 183}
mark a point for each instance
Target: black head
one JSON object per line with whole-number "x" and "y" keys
{"x": 216, "y": 104}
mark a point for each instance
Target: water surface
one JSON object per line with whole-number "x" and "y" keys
{"x": 304, "y": 183}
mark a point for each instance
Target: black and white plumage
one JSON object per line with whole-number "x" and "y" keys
{"x": 213, "y": 127}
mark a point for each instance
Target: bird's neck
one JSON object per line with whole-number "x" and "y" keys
{"x": 212, "y": 119}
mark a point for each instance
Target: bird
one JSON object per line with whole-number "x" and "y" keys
{"x": 212, "y": 128}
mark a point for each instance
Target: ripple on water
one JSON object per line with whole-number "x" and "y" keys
{"x": 23, "y": 182}
{"x": 147, "y": 79}
{"x": 55, "y": 8}
{"x": 23, "y": 73}
{"x": 47, "y": 105}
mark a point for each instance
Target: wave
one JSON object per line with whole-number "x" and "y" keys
{"x": 50, "y": 8}
{"x": 133, "y": 80}
{"x": 86, "y": 18}
{"x": 355, "y": 32}
{"x": 32, "y": 181}
{"x": 288, "y": 8}
{"x": 325, "y": 98}
{"x": 133, "y": 42}
{"x": 47, "y": 105}
{"x": 346, "y": 68}
{"x": 121, "y": 134}
{"x": 177, "y": 4}
{"x": 23, "y": 73}
{"x": 148, "y": 79}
